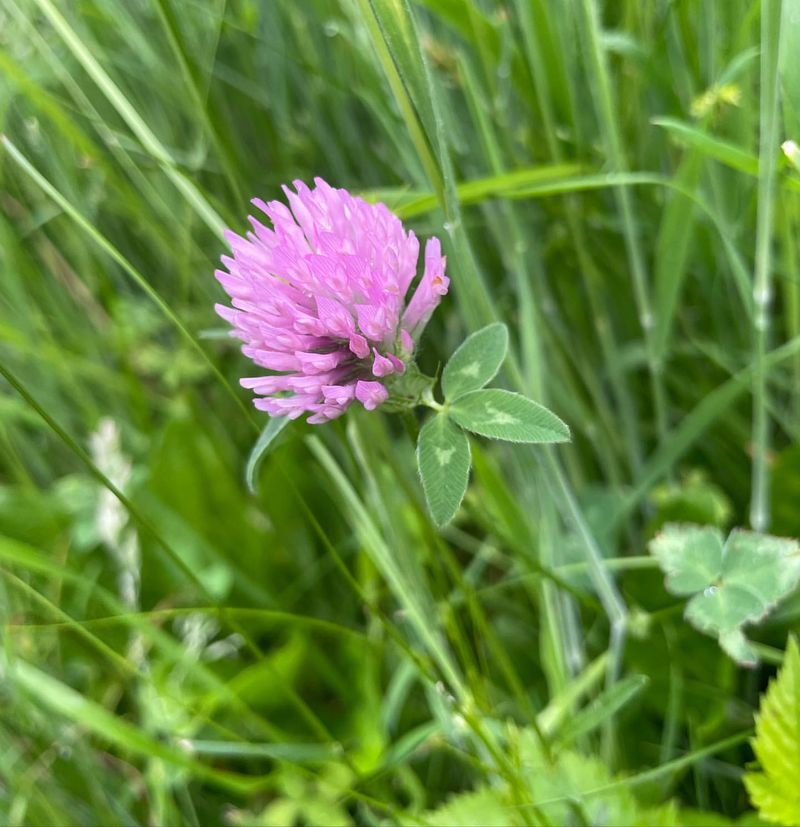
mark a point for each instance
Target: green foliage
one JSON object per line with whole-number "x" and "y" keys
{"x": 475, "y": 362}
{"x": 790, "y": 66}
{"x": 732, "y": 583}
{"x": 774, "y": 790}
{"x": 693, "y": 499}
{"x": 560, "y": 790}
{"x": 574, "y": 787}
{"x": 601, "y": 177}
{"x": 483, "y": 807}
{"x": 602, "y": 708}
{"x": 302, "y": 800}
{"x": 786, "y": 490}
{"x": 273, "y": 427}
{"x": 499, "y": 414}
{"x": 443, "y": 458}
{"x": 443, "y": 455}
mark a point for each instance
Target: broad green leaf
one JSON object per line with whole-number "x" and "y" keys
{"x": 499, "y": 414}
{"x": 732, "y": 583}
{"x": 476, "y": 361}
{"x": 774, "y": 790}
{"x": 443, "y": 459}
{"x": 271, "y": 430}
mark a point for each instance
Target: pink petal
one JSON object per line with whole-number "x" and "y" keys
{"x": 359, "y": 346}
{"x": 399, "y": 364}
{"x": 432, "y": 286}
{"x": 371, "y": 394}
{"x": 335, "y": 318}
{"x": 339, "y": 394}
{"x": 320, "y": 362}
{"x": 382, "y": 365}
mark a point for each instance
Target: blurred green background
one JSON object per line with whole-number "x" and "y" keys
{"x": 607, "y": 179}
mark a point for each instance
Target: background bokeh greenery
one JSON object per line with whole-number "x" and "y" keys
{"x": 601, "y": 175}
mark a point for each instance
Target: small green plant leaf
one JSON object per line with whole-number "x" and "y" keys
{"x": 690, "y": 556}
{"x": 732, "y": 583}
{"x": 444, "y": 459}
{"x": 499, "y": 414}
{"x": 573, "y": 789}
{"x": 475, "y": 362}
{"x": 483, "y": 807}
{"x": 774, "y": 790}
{"x": 274, "y": 426}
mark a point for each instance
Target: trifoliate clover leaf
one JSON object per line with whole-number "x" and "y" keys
{"x": 733, "y": 582}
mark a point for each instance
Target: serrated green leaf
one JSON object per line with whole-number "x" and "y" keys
{"x": 732, "y": 583}
{"x": 476, "y": 361}
{"x": 774, "y": 790}
{"x": 577, "y": 789}
{"x": 499, "y": 414}
{"x": 482, "y": 808}
{"x": 271, "y": 430}
{"x": 443, "y": 458}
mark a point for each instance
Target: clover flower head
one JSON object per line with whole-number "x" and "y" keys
{"x": 319, "y": 300}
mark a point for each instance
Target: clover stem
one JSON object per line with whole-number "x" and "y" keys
{"x": 426, "y": 398}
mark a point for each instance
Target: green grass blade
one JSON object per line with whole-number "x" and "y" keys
{"x": 771, "y": 12}
{"x": 129, "y": 114}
